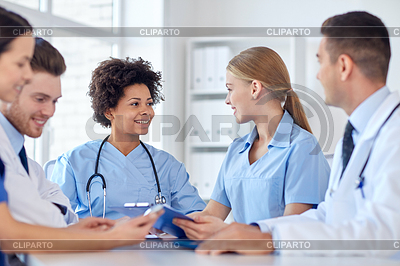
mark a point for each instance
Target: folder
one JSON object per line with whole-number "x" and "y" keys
{"x": 198, "y": 68}
{"x": 223, "y": 54}
{"x": 210, "y": 68}
{"x": 164, "y": 223}
{"x": 130, "y": 211}
{"x": 223, "y": 122}
{"x": 201, "y": 132}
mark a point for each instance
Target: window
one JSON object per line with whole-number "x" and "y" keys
{"x": 98, "y": 13}
{"x": 72, "y": 124}
{"x": 34, "y": 4}
{"x": 67, "y": 128}
{"x": 74, "y": 109}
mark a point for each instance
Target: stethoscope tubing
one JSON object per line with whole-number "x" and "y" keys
{"x": 159, "y": 199}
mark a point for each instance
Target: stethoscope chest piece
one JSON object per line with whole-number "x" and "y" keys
{"x": 160, "y": 199}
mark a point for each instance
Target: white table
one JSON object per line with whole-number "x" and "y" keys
{"x": 188, "y": 257}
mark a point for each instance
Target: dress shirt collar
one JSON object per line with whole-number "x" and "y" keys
{"x": 16, "y": 138}
{"x": 361, "y": 115}
{"x": 281, "y": 137}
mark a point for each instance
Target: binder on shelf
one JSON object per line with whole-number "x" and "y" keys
{"x": 198, "y": 69}
{"x": 223, "y": 122}
{"x": 223, "y": 54}
{"x": 202, "y": 127}
{"x": 231, "y": 126}
{"x": 197, "y": 167}
{"x": 208, "y": 111}
{"x": 215, "y": 160}
{"x": 205, "y": 169}
{"x": 215, "y": 122}
{"x": 210, "y": 67}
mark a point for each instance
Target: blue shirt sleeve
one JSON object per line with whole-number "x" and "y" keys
{"x": 307, "y": 174}
{"x": 219, "y": 191}
{"x": 3, "y": 192}
{"x": 64, "y": 176}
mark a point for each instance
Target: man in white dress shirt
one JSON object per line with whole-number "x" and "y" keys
{"x": 32, "y": 198}
{"x": 362, "y": 200}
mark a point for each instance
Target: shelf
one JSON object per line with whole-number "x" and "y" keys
{"x": 208, "y": 92}
{"x": 240, "y": 42}
{"x": 208, "y": 145}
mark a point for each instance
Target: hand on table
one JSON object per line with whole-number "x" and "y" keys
{"x": 122, "y": 220}
{"x": 134, "y": 230}
{"x": 93, "y": 223}
{"x": 239, "y": 238}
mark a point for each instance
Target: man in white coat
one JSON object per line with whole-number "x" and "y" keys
{"x": 32, "y": 198}
{"x": 362, "y": 200}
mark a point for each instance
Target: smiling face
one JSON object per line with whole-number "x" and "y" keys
{"x": 15, "y": 69}
{"x": 239, "y": 98}
{"x": 133, "y": 114}
{"x": 35, "y": 104}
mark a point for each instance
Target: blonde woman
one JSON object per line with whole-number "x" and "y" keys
{"x": 278, "y": 169}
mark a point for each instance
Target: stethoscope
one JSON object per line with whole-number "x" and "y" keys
{"x": 159, "y": 198}
{"x": 360, "y": 181}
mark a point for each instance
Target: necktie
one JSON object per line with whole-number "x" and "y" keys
{"x": 1, "y": 169}
{"x": 24, "y": 160}
{"x": 348, "y": 145}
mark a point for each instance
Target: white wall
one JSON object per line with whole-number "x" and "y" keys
{"x": 138, "y": 13}
{"x": 262, "y": 13}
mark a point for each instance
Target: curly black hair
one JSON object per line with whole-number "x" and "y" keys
{"x": 112, "y": 76}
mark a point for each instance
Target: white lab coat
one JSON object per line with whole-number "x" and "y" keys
{"x": 345, "y": 214}
{"x": 30, "y": 197}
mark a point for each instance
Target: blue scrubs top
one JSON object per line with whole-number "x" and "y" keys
{"x": 3, "y": 198}
{"x": 294, "y": 170}
{"x": 128, "y": 179}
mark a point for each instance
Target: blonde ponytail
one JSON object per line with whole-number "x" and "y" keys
{"x": 296, "y": 110}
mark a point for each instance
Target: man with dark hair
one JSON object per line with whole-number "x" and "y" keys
{"x": 32, "y": 198}
{"x": 362, "y": 201}
{"x": 366, "y": 41}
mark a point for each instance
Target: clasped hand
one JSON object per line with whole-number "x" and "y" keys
{"x": 203, "y": 227}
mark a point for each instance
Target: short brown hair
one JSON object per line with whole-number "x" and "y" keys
{"x": 47, "y": 59}
{"x": 361, "y": 36}
{"x": 110, "y": 79}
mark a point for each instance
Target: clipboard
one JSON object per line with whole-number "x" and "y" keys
{"x": 164, "y": 223}
{"x": 132, "y": 209}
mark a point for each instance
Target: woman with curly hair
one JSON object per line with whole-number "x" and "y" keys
{"x": 16, "y": 53}
{"x": 123, "y": 92}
